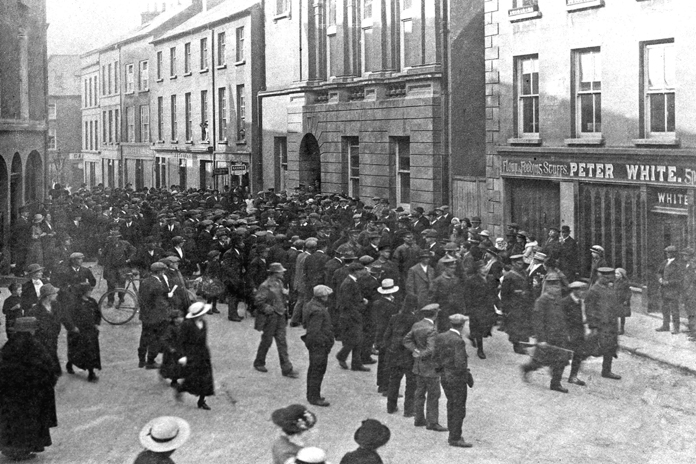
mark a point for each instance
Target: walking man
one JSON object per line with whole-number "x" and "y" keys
{"x": 351, "y": 309}
{"x": 420, "y": 341}
{"x": 452, "y": 364}
{"x": 271, "y": 304}
{"x": 319, "y": 340}
{"x": 601, "y": 307}
{"x": 154, "y": 314}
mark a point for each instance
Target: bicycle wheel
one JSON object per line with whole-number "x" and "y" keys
{"x": 124, "y": 305}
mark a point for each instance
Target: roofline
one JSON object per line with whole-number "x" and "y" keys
{"x": 208, "y": 25}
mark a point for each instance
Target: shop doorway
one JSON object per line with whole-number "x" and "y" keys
{"x": 535, "y": 205}
{"x": 664, "y": 230}
{"x": 310, "y": 163}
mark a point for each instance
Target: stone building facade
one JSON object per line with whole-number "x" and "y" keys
{"x": 357, "y": 98}
{"x": 23, "y": 106}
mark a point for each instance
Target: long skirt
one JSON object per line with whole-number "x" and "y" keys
{"x": 83, "y": 349}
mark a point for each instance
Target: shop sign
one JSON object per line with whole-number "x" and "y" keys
{"x": 628, "y": 172}
{"x": 238, "y": 169}
{"x": 668, "y": 198}
{"x": 220, "y": 171}
{"x": 76, "y": 156}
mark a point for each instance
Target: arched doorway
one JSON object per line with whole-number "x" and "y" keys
{"x": 310, "y": 163}
{"x": 4, "y": 204}
{"x": 33, "y": 179}
{"x": 15, "y": 187}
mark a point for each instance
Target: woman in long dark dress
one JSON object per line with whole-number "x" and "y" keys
{"x": 27, "y": 399}
{"x": 171, "y": 351}
{"x": 198, "y": 370}
{"x": 83, "y": 343}
{"x": 48, "y": 316}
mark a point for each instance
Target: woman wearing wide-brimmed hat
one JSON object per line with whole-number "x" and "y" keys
{"x": 295, "y": 421}
{"x": 198, "y": 370}
{"x": 370, "y": 436}
{"x": 27, "y": 399}
{"x": 49, "y": 316}
{"x": 161, "y": 437}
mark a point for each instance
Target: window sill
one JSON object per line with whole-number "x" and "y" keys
{"x": 171, "y": 78}
{"x": 204, "y": 142}
{"x": 524, "y": 13}
{"x": 585, "y": 141}
{"x": 130, "y": 92}
{"x": 527, "y": 141}
{"x": 187, "y": 74}
{"x": 189, "y": 142}
{"x": 577, "y": 5}
{"x": 240, "y": 63}
{"x": 222, "y": 142}
{"x": 222, "y": 66}
{"x": 241, "y": 142}
{"x": 205, "y": 70}
{"x": 174, "y": 141}
{"x": 160, "y": 80}
{"x": 285, "y": 14}
{"x": 160, "y": 141}
{"x": 144, "y": 90}
{"x": 657, "y": 142}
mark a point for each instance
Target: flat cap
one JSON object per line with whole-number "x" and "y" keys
{"x": 671, "y": 249}
{"x": 431, "y": 307}
{"x": 353, "y": 267}
{"x": 322, "y": 290}
{"x": 605, "y": 270}
{"x": 77, "y": 256}
{"x": 577, "y": 284}
{"x": 457, "y": 319}
{"x": 157, "y": 266}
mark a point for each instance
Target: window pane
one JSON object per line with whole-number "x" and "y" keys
{"x": 368, "y": 46}
{"x": 587, "y": 113}
{"x": 590, "y": 71}
{"x": 656, "y": 60}
{"x": 530, "y": 115}
{"x": 410, "y": 54}
{"x": 657, "y": 112}
{"x": 670, "y": 112}
{"x": 669, "y": 66}
{"x": 405, "y": 188}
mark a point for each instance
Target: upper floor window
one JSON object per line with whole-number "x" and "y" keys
{"x": 52, "y": 111}
{"x": 221, "y": 49}
{"x": 159, "y": 65}
{"x": 240, "y": 44}
{"x": 282, "y": 7}
{"x": 588, "y": 92}
{"x": 241, "y": 114}
{"x": 52, "y": 143}
{"x": 109, "y": 91}
{"x": 172, "y": 62}
{"x": 523, "y": 3}
{"x": 331, "y": 13}
{"x": 117, "y": 73}
{"x": 367, "y": 9}
{"x": 130, "y": 78}
{"x": 659, "y": 89}
{"x": 130, "y": 124}
{"x": 144, "y": 76}
{"x": 145, "y": 123}
{"x": 204, "y": 53}
{"x": 527, "y": 70}
{"x": 187, "y": 57}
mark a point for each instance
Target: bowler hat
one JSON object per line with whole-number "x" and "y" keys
{"x": 372, "y": 434}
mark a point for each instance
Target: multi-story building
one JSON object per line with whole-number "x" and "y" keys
{"x": 206, "y": 75}
{"x": 90, "y": 75}
{"x": 357, "y": 97}
{"x": 23, "y": 105}
{"x": 64, "y": 120}
{"x": 120, "y": 152}
{"x": 593, "y": 124}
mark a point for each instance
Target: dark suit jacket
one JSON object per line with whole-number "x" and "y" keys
{"x": 350, "y": 303}
{"x": 329, "y": 268}
{"x": 574, "y": 323}
{"x": 29, "y": 295}
{"x": 422, "y": 337}
{"x": 450, "y": 354}
{"x": 382, "y": 312}
{"x": 399, "y": 325}
{"x": 418, "y": 283}
{"x": 154, "y": 301}
{"x": 672, "y": 278}
{"x": 314, "y": 269}
{"x": 318, "y": 323}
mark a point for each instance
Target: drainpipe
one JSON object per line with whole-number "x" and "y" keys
{"x": 213, "y": 100}
{"x": 446, "y": 142}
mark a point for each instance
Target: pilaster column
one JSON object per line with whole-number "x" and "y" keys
{"x": 23, "y": 40}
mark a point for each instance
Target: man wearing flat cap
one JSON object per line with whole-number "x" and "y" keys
{"x": 154, "y": 296}
{"x": 601, "y": 308}
{"x": 319, "y": 340}
{"x": 447, "y": 291}
{"x": 115, "y": 257}
{"x": 670, "y": 276}
{"x": 452, "y": 364}
{"x": 551, "y": 332}
{"x": 517, "y": 303}
{"x": 271, "y": 319}
{"x": 420, "y": 341}
{"x": 351, "y": 307}
{"x": 572, "y": 307}
{"x": 73, "y": 273}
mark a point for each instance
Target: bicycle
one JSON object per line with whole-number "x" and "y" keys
{"x": 125, "y": 302}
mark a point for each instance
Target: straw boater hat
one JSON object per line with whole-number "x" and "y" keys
{"x": 164, "y": 434}
{"x": 388, "y": 287}
{"x": 198, "y": 309}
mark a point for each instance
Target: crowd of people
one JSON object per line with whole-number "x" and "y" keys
{"x": 386, "y": 283}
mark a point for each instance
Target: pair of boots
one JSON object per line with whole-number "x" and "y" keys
{"x": 91, "y": 377}
{"x": 477, "y": 343}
